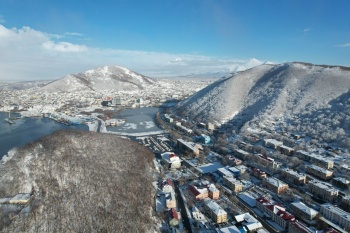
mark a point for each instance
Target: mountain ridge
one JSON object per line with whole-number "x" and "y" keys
{"x": 101, "y": 78}
{"x": 274, "y": 89}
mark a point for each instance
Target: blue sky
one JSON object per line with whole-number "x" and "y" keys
{"x": 153, "y": 36}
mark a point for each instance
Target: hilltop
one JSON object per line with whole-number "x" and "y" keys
{"x": 79, "y": 186}
{"x": 114, "y": 78}
{"x": 295, "y": 92}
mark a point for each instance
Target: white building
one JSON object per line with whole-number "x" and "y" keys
{"x": 303, "y": 211}
{"x": 249, "y": 222}
{"x": 336, "y": 215}
{"x": 172, "y": 160}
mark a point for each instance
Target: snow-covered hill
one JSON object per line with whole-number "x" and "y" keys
{"x": 102, "y": 78}
{"x": 279, "y": 90}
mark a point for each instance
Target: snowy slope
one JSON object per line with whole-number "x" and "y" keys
{"x": 268, "y": 89}
{"x": 102, "y": 78}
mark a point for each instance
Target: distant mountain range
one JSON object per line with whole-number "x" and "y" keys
{"x": 103, "y": 78}
{"x": 279, "y": 90}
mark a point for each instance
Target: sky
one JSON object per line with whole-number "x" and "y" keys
{"x": 47, "y": 39}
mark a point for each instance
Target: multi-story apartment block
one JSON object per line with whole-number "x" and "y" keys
{"x": 319, "y": 172}
{"x": 303, "y": 211}
{"x": 345, "y": 202}
{"x": 241, "y": 153}
{"x": 198, "y": 193}
{"x": 217, "y": 214}
{"x": 272, "y": 143}
{"x": 298, "y": 227}
{"x": 258, "y": 173}
{"x": 235, "y": 185}
{"x": 267, "y": 161}
{"x": 341, "y": 182}
{"x": 336, "y": 215}
{"x": 277, "y": 213}
{"x": 286, "y": 150}
{"x": 188, "y": 147}
{"x": 171, "y": 160}
{"x": 213, "y": 192}
{"x": 275, "y": 185}
{"x": 323, "y": 190}
{"x": 315, "y": 159}
{"x": 224, "y": 172}
{"x": 293, "y": 176}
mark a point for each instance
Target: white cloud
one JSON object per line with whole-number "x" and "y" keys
{"x": 343, "y": 45}
{"x": 73, "y": 34}
{"x": 28, "y": 54}
{"x": 64, "y": 47}
{"x": 306, "y": 30}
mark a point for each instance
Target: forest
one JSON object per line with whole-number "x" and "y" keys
{"x": 80, "y": 182}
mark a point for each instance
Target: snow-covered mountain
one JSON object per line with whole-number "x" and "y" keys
{"x": 102, "y": 78}
{"x": 278, "y": 90}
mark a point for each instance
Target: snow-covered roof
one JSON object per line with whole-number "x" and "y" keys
{"x": 218, "y": 210}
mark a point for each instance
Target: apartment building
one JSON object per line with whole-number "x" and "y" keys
{"x": 272, "y": 143}
{"x": 198, "y": 193}
{"x": 315, "y": 159}
{"x": 319, "y": 172}
{"x": 341, "y": 182}
{"x": 216, "y": 212}
{"x": 267, "y": 161}
{"x": 276, "y": 213}
{"x": 188, "y": 147}
{"x": 303, "y": 211}
{"x": 298, "y": 227}
{"x": 275, "y": 185}
{"x": 345, "y": 202}
{"x": 258, "y": 173}
{"x": 336, "y": 215}
{"x": 171, "y": 160}
{"x": 235, "y": 185}
{"x": 241, "y": 154}
{"x": 213, "y": 192}
{"x": 293, "y": 176}
{"x": 323, "y": 190}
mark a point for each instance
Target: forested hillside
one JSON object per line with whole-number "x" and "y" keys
{"x": 80, "y": 182}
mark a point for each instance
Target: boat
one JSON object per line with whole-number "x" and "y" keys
{"x": 9, "y": 119}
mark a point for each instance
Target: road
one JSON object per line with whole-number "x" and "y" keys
{"x": 182, "y": 207}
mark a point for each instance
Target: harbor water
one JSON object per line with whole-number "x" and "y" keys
{"x": 26, "y": 130}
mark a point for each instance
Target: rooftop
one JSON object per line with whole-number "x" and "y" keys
{"x": 320, "y": 169}
{"x": 275, "y": 182}
{"x": 170, "y": 157}
{"x": 301, "y": 206}
{"x": 342, "y": 180}
{"x": 274, "y": 142}
{"x": 336, "y": 210}
{"x": 214, "y": 207}
{"x": 225, "y": 172}
{"x": 301, "y": 227}
{"x": 294, "y": 173}
{"x": 323, "y": 185}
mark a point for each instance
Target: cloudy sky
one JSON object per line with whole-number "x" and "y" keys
{"x": 47, "y": 39}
